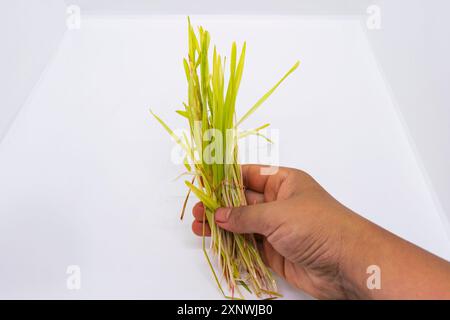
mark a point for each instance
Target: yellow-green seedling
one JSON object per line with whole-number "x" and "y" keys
{"x": 217, "y": 177}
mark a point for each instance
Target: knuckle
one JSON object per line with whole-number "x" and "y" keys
{"x": 236, "y": 216}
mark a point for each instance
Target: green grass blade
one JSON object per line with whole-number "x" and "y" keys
{"x": 172, "y": 134}
{"x": 240, "y": 68}
{"x": 267, "y": 95}
{"x": 186, "y": 68}
{"x": 183, "y": 113}
{"x": 207, "y": 201}
{"x": 211, "y": 104}
{"x": 255, "y": 132}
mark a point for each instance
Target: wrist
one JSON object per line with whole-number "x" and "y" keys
{"x": 360, "y": 244}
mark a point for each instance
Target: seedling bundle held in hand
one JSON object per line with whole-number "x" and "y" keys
{"x": 212, "y": 158}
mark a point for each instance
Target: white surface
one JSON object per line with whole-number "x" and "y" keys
{"x": 195, "y": 7}
{"x": 412, "y": 49}
{"x": 30, "y": 32}
{"x": 85, "y": 173}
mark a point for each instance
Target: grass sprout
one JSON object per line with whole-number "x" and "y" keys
{"x": 211, "y": 105}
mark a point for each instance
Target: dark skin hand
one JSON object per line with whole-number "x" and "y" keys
{"x": 323, "y": 248}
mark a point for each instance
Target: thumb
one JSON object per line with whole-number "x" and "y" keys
{"x": 257, "y": 218}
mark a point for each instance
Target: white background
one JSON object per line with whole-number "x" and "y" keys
{"x": 86, "y": 176}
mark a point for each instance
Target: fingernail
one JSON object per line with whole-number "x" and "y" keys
{"x": 222, "y": 214}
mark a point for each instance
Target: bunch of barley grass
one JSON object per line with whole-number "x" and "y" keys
{"x": 213, "y": 160}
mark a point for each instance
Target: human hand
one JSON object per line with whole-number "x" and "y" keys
{"x": 323, "y": 248}
{"x": 301, "y": 224}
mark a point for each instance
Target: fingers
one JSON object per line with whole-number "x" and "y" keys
{"x": 197, "y": 225}
{"x": 198, "y": 211}
{"x": 253, "y": 197}
{"x": 258, "y": 218}
{"x": 259, "y": 178}
{"x": 246, "y": 219}
{"x": 197, "y": 228}
{"x": 253, "y": 179}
